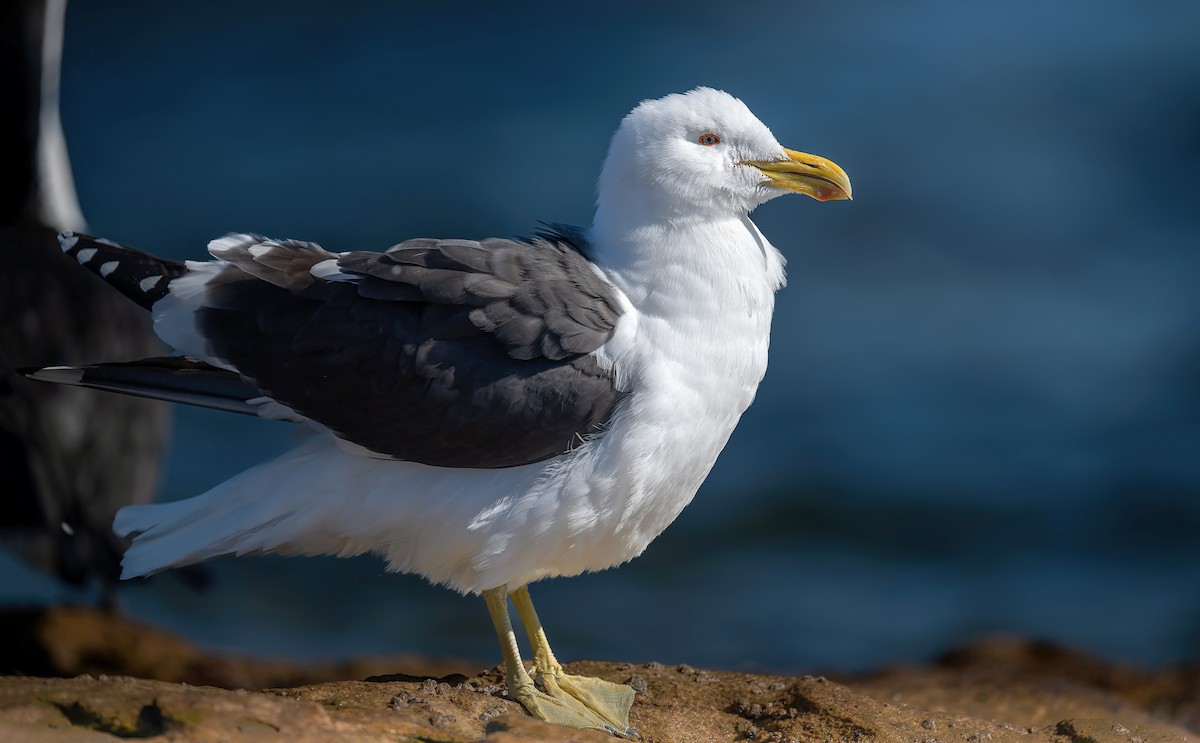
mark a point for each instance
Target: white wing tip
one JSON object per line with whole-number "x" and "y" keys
{"x": 149, "y": 282}
{"x": 58, "y": 374}
{"x": 67, "y": 240}
{"x": 328, "y": 270}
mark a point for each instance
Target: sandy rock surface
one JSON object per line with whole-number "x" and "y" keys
{"x": 998, "y": 691}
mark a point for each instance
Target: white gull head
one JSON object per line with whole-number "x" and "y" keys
{"x": 704, "y": 155}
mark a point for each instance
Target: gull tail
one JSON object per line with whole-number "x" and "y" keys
{"x": 174, "y": 379}
{"x": 290, "y": 505}
{"x": 139, "y": 276}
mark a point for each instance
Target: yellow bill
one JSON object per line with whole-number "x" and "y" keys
{"x": 807, "y": 174}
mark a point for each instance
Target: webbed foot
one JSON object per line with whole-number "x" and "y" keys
{"x": 609, "y": 701}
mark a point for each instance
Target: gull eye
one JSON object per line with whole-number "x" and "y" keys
{"x": 709, "y": 139}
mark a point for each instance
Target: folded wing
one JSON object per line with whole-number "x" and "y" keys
{"x": 451, "y": 353}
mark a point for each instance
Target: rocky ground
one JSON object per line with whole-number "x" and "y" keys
{"x": 995, "y": 691}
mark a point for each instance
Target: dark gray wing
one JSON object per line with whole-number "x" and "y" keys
{"x": 451, "y": 353}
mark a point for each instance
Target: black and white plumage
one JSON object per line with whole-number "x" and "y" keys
{"x": 69, "y": 458}
{"x": 467, "y": 354}
{"x": 499, "y": 411}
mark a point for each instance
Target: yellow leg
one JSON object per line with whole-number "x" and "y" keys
{"x": 520, "y": 685}
{"x": 611, "y": 702}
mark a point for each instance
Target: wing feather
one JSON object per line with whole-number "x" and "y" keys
{"x": 446, "y": 352}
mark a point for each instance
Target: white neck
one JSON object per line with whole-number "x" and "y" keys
{"x": 643, "y": 250}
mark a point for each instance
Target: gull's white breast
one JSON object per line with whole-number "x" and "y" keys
{"x": 690, "y": 351}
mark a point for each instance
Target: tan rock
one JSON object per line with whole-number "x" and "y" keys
{"x": 995, "y": 692}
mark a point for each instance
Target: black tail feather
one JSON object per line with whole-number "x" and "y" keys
{"x": 173, "y": 378}
{"x": 139, "y": 276}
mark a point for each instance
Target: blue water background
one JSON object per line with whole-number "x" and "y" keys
{"x": 983, "y": 407}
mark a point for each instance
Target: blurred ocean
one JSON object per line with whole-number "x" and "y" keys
{"x": 983, "y": 408}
